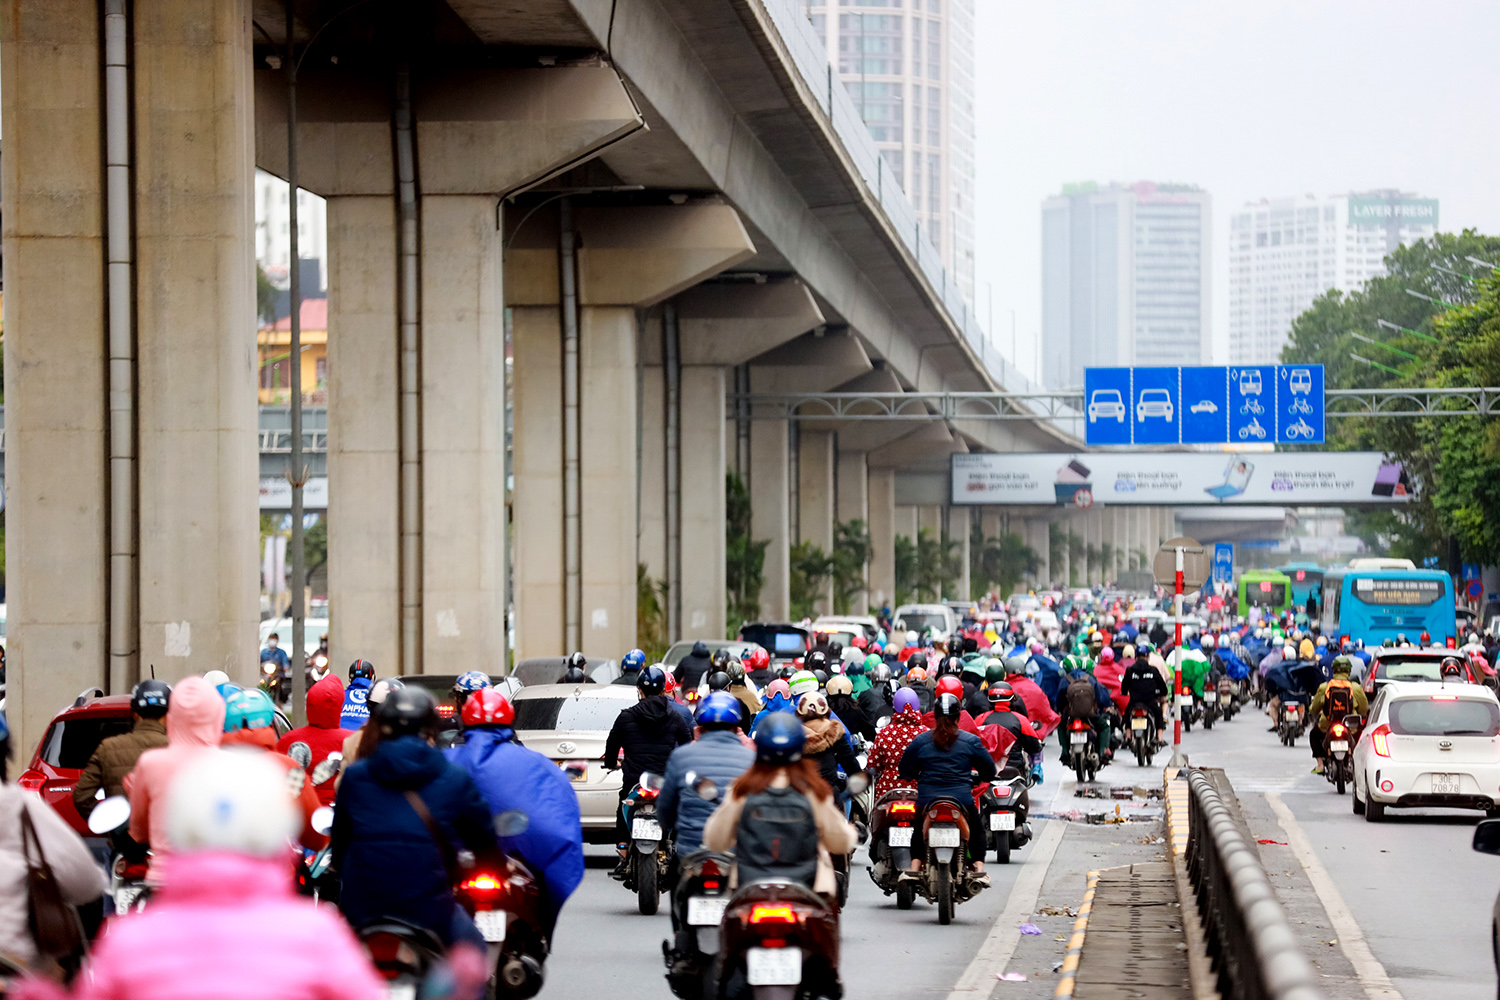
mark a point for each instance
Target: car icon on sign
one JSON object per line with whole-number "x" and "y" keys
{"x": 1106, "y": 404}
{"x": 1250, "y": 382}
{"x": 1301, "y": 380}
{"x": 1204, "y": 406}
{"x": 1154, "y": 403}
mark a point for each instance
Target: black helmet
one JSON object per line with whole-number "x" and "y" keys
{"x": 576, "y": 660}
{"x": 951, "y": 666}
{"x": 1001, "y": 694}
{"x": 720, "y": 659}
{"x": 574, "y": 675}
{"x": 150, "y": 698}
{"x": 947, "y": 706}
{"x": 835, "y": 649}
{"x": 916, "y": 660}
{"x": 651, "y": 680}
{"x": 718, "y": 680}
{"x": 1451, "y": 667}
{"x": 362, "y": 668}
{"x": 700, "y": 648}
{"x": 407, "y": 712}
{"x": 815, "y": 661}
{"x": 822, "y": 676}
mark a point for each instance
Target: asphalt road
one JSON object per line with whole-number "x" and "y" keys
{"x": 1411, "y": 886}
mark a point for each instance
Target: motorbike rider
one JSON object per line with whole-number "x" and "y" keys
{"x": 273, "y": 653}
{"x": 464, "y": 685}
{"x": 875, "y": 702}
{"x": 827, "y": 743}
{"x": 1335, "y": 698}
{"x": 1030, "y": 701}
{"x": 1142, "y": 684}
{"x": 758, "y": 667}
{"x": 778, "y": 699}
{"x": 1025, "y": 739}
{"x": 513, "y": 778}
{"x": 356, "y": 711}
{"x": 744, "y": 690}
{"x": 951, "y": 685}
{"x": 362, "y": 744}
{"x": 647, "y": 733}
{"x": 846, "y": 709}
{"x": 401, "y": 815}
{"x": 1084, "y": 698}
{"x": 692, "y": 668}
{"x": 943, "y": 763}
{"x": 322, "y": 734}
{"x": 1280, "y": 686}
{"x": 115, "y": 757}
{"x": 717, "y": 754}
{"x": 972, "y": 676}
{"x": 891, "y": 742}
{"x": 630, "y": 667}
{"x": 250, "y": 726}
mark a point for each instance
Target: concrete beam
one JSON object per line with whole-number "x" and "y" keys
{"x": 813, "y": 362}
{"x": 728, "y": 324}
{"x": 930, "y": 442}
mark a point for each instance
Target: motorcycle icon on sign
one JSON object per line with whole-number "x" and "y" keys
{"x": 1301, "y": 429}
{"x": 1254, "y": 430}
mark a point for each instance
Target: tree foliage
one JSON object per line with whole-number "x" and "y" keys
{"x": 810, "y": 568}
{"x": 1001, "y": 562}
{"x": 851, "y": 557}
{"x": 744, "y": 558}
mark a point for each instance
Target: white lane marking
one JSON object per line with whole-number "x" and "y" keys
{"x": 994, "y": 955}
{"x": 1367, "y": 967}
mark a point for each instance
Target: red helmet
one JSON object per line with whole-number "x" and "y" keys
{"x": 488, "y": 707}
{"x": 858, "y": 642}
{"x": 672, "y": 686}
{"x": 758, "y": 659}
{"x": 1106, "y": 655}
{"x": 950, "y": 685}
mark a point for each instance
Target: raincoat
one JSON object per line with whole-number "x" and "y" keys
{"x": 356, "y": 713}
{"x": 325, "y": 701}
{"x": 195, "y": 725}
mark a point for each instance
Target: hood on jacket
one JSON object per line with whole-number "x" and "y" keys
{"x": 407, "y": 762}
{"x": 220, "y": 875}
{"x": 821, "y": 734}
{"x": 325, "y": 702}
{"x": 653, "y": 712}
{"x": 195, "y": 715}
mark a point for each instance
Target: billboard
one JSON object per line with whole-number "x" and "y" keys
{"x": 1286, "y": 479}
{"x": 1380, "y": 212}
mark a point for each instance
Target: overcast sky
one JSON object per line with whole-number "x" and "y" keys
{"x": 1245, "y": 98}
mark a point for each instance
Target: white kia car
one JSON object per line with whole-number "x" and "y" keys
{"x": 1429, "y": 745}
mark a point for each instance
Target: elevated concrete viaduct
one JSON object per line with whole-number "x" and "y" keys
{"x": 668, "y": 202}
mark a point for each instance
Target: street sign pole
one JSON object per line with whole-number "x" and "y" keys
{"x": 1186, "y": 565}
{"x": 1177, "y": 759}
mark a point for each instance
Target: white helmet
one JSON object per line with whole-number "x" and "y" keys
{"x": 216, "y": 677}
{"x": 1289, "y": 652}
{"x": 1209, "y": 642}
{"x": 912, "y": 637}
{"x": 235, "y": 801}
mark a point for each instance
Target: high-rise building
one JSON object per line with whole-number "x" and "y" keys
{"x": 1283, "y": 253}
{"x": 273, "y": 244}
{"x": 1125, "y": 278}
{"x": 909, "y": 66}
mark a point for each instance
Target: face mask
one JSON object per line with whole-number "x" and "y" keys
{"x": 270, "y": 643}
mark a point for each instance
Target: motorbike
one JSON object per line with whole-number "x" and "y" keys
{"x": 1229, "y": 697}
{"x": 1211, "y": 711}
{"x": 506, "y": 904}
{"x": 779, "y": 941}
{"x": 944, "y": 880}
{"x": 1191, "y": 709}
{"x": 699, "y": 902}
{"x": 1083, "y": 750}
{"x": 127, "y": 879}
{"x": 890, "y": 843}
{"x": 404, "y": 956}
{"x": 650, "y": 863}
{"x": 1142, "y": 735}
{"x": 1338, "y": 748}
{"x": 1003, "y": 807}
{"x": 1292, "y": 723}
{"x": 315, "y": 874}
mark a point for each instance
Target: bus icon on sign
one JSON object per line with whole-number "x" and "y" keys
{"x": 1250, "y": 382}
{"x": 1301, "y": 380}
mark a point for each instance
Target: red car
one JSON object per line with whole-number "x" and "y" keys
{"x": 70, "y": 741}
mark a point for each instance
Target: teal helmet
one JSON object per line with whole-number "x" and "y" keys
{"x": 248, "y": 710}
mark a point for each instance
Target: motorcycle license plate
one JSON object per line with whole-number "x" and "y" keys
{"x": 1338, "y": 746}
{"x": 773, "y": 966}
{"x": 1137, "y": 724}
{"x": 645, "y": 829}
{"x": 126, "y": 896}
{"x": 1212, "y": 697}
{"x": 943, "y": 836}
{"x": 1002, "y": 821}
{"x": 1080, "y": 739}
{"x": 491, "y": 924}
{"x": 899, "y": 836}
{"x": 401, "y": 991}
{"x": 1445, "y": 784}
{"x": 1185, "y": 700}
{"x": 706, "y": 911}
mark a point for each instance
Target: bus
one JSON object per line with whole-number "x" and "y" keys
{"x": 1307, "y": 581}
{"x": 1379, "y": 604}
{"x": 1267, "y": 589}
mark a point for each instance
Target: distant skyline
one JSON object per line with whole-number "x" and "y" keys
{"x": 1247, "y": 99}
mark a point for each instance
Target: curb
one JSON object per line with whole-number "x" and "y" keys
{"x": 1075, "y": 943}
{"x": 1177, "y": 812}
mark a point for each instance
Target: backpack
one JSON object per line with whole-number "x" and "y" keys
{"x": 1081, "y": 698}
{"x": 777, "y": 838}
{"x": 1338, "y": 701}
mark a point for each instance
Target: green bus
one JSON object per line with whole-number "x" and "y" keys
{"x": 1267, "y": 589}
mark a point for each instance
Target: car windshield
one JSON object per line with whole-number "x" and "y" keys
{"x": 1427, "y": 716}
{"x": 1412, "y": 668}
{"x": 568, "y": 713}
{"x": 778, "y": 642}
{"x": 916, "y": 621}
{"x": 71, "y": 742}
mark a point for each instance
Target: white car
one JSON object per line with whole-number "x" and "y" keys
{"x": 1105, "y": 404}
{"x": 1429, "y": 745}
{"x": 917, "y": 617}
{"x": 570, "y": 723}
{"x": 1204, "y": 406}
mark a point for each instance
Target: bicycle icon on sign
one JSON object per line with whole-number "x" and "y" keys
{"x": 1252, "y": 406}
{"x": 1254, "y": 430}
{"x": 1301, "y": 406}
{"x": 1301, "y": 429}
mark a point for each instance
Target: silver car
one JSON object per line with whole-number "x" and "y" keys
{"x": 570, "y": 723}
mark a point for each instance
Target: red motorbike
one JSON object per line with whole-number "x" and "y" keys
{"x": 891, "y": 829}
{"x": 779, "y": 941}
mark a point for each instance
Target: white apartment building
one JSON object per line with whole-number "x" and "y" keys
{"x": 1125, "y": 278}
{"x": 1285, "y": 252}
{"x": 273, "y": 233}
{"x": 909, "y": 66}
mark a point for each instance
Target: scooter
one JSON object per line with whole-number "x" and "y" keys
{"x": 1192, "y": 710}
{"x": 1003, "y": 807}
{"x": 127, "y": 879}
{"x": 1211, "y": 711}
{"x": 1142, "y": 735}
{"x": 1083, "y": 750}
{"x": 650, "y": 862}
{"x": 404, "y": 956}
{"x": 1338, "y": 747}
{"x": 779, "y": 941}
{"x": 506, "y": 905}
{"x": 944, "y": 880}
{"x": 1229, "y": 697}
{"x": 698, "y": 905}
{"x": 891, "y": 827}
{"x": 1293, "y": 722}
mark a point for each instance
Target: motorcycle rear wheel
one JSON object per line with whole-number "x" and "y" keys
{"x": 1002, "y": 847}
{"x": 646, "y": 897}
{"x": 944, "y": 894}
{"x": 1080, "y": 768}
{"x": 1338, "y": 782}
{"x": 905, "y": 896}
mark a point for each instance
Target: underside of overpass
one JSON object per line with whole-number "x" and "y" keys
{"x": 648, "y": 201}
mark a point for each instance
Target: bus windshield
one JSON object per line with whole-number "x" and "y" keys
{"x": 1266, "y": 594}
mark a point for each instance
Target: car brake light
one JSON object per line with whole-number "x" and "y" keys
{"x": 1445, "y": 697}
{"x": 766, "y": 913}
{"x": 1380, "y": 740}
{"x": 904, "y": 807}
{"x": 32, "y": 780}
{"x": 1451, "y": 643}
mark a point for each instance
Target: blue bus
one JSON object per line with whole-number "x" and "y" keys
{"x": 1378, "y": 604}
{"x": 1307, "y": 581}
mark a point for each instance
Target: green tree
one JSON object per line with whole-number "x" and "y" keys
{"x": 811, "y": 569}
{"x": 650, "y": 614}
{"x": 906, "y": 569}
{"x": 939, "y": 566}
{"x": 265, "y": 296}
{"x": 1000, "y": 562}
{"x": 851, "y": 555}
{"x": 1078, "y": 554}
{"x": 744, "y": 558}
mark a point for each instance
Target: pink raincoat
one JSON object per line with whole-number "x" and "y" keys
{"x": 195, "y": 725}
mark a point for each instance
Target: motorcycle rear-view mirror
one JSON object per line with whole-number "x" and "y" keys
{"x": 857, "y": 784}
{"x": 882, "y": 722}
{"x": 322, "y": 820}
{"x": 330, "y": 766}
{"x": 512, "y": 823}
{"x": 651, "y": 781}
{"x": 705, "y": 789}
{"x": 301, "y": 753}
{"x": 111, "y": 814}
{"x": 1487, "y": 836}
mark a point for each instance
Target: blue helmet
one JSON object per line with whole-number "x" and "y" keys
{"x": 779, "y": 739}
{"x": 471, "y": 680}
{"x": 720, "y": 708}
{"x": 228, "y": 688}
{"x": 248, "y": 710}
{"x": 652, "y": 680}
{"x": 634, "y": 660}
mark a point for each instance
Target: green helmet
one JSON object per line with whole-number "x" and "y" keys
{"x": 1342, "y": 664}
{"x": 872, "y": 661}
{"x": 994, "y": 669}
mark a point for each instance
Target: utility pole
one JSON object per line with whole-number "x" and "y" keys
{"x": 296, "y": 472}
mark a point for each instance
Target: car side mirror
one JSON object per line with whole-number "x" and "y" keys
{"x": 1487, "y": 836}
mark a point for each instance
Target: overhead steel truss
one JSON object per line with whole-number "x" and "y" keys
{"x": 1068, "y": 404}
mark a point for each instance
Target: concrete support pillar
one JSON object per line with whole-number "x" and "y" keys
{"x": 1039, "y": 542}
{"x": 960, "y": 521}
{"x": 181, "y": 408}
{"x": 770, "y": 517}
{"x": 853, "y": 490}
{"x": 1065, "y": 568}
{"x": 930, "y": 519}
{"x": 906, "y": 522}
{"x": 703, "y": 589}
{"x": 882, "y": 508}
{"x": 992, "y": 522}
{"x": 815, "y": 487}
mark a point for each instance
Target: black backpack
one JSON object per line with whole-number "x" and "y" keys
{"x": 1081, "y": 703}
{"x": 777, "y": 838}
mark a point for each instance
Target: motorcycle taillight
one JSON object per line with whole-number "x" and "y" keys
{"x": 482, "y": 885}
{"x": 903, "y": 807}
{"x": 773, "y": 913}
